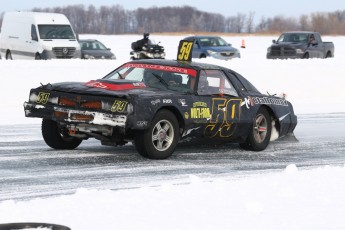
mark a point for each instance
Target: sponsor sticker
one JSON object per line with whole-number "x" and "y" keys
{"x": 42, "y": 98}
{"x": 118, "y": 106}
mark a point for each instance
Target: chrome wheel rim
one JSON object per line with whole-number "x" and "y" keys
{"x": 162, "y": 135}
{"x": 260, "y": 128}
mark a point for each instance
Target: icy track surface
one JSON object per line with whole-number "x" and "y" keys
{"x": 30, "y": 169}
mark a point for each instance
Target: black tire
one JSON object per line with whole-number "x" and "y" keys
{"x": 142, "y": 56}
{"x": 202, "y": 56}
{"x": 8, "y": 55}
{"x": 306, "y": 56}
{"x": 160, "y": 139}
{"x": 56, "y": 137}
{"x": 328, "y": 55}
{"x": 260, "y": 132}
{"x": 38, "y": 57}
{"x": 31, "y": 225}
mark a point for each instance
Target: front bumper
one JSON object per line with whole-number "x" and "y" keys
{"x": 225, "y": 55}
{"x": 67, "y": 115}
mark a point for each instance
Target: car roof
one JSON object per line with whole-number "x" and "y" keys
{"x": 203, "y": 36}
{"x": 299, "y": 32}
{"x": 193, "y": 65}
{"x": 88, "y": 40}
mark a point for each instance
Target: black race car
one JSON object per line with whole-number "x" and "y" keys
{"x": 157, "y": 103}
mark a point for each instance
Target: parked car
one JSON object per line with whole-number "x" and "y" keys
{"x": 37, "y": 35}
{"x": 155, "y": 103}
{"x": 212, "y": 46}
{"x": 94, "y": 49}
{"x": 300, "y": 44}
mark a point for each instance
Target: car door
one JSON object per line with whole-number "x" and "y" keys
{"x": 218, "y": 101}
{"x": 313, "y": 47}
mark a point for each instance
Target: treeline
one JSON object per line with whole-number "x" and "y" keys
{"x": 117, "y": 20}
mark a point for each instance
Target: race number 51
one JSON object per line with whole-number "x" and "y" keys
{"x": 185, "y": 50}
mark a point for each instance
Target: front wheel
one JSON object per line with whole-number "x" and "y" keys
{"x": 56, "y": 137}
{"x": 260, "y": 132}
{"x": 306, "y": 56}
{"x": 160, "y": 139}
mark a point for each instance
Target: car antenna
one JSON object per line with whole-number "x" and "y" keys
{"x": 270, "y": 94}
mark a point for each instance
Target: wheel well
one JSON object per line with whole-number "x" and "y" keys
{"x": 178, "y": 116}
{"x": 273, "y": 116}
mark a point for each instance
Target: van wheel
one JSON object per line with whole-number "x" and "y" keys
{"x": 38, "y": 57}
{"x": 202, "y": 56}
{"x": 8, "y": 55}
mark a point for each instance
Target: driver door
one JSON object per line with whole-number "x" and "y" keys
{"x": 223, "y": 102}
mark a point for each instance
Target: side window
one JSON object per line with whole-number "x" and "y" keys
{"x": 34, "y": 36}
{"x": 214, "y": 82}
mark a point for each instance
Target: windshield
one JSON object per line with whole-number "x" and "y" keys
{"x": 156, "y": 76}
{"x": 293, "y": 37}
{"x": 92, "y": 45}
{"x": 212, "y": 41}
{"x": 55, "y": 32}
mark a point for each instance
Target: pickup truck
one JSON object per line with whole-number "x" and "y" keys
{"x": 300, "y": 44}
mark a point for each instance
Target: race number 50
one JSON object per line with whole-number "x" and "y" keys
{"x": 185, "y": 50}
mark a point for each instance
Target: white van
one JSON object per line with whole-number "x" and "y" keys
{"x": 33, "y": 35}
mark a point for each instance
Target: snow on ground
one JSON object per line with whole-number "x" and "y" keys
{"x": 289, "y": 199}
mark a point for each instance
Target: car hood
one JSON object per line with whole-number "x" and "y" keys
{"x": 101, "y": 87}
{"x": 288, "y": 44}
{"x": 106, "y": 53}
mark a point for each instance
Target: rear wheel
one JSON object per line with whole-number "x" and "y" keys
{"x": 160, "y": 139}
{"x": 56, "y": 137}
{"x": 260, "y": 132}
{"x": 202, "y": 56}
{"x": 328, "y": 55}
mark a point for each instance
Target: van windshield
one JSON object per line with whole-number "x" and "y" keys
{"x": 55, "y": 32}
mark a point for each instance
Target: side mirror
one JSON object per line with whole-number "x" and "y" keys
{"x": 274, "y": 41}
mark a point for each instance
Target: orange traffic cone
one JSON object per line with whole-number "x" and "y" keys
{"x": 243, "y": 44}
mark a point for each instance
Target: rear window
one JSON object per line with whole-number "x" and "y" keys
{"x": 242, "y": 83}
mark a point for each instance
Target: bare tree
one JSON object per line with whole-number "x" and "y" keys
{"x": 304, "y": 22}
{"x": 250, "y": 22}
{"x": 319, "y": 23}
{"x": 116, "y": 20}
{"x": 240, "y": 20}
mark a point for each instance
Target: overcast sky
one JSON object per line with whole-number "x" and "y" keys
{"x": 262, "y": 8}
